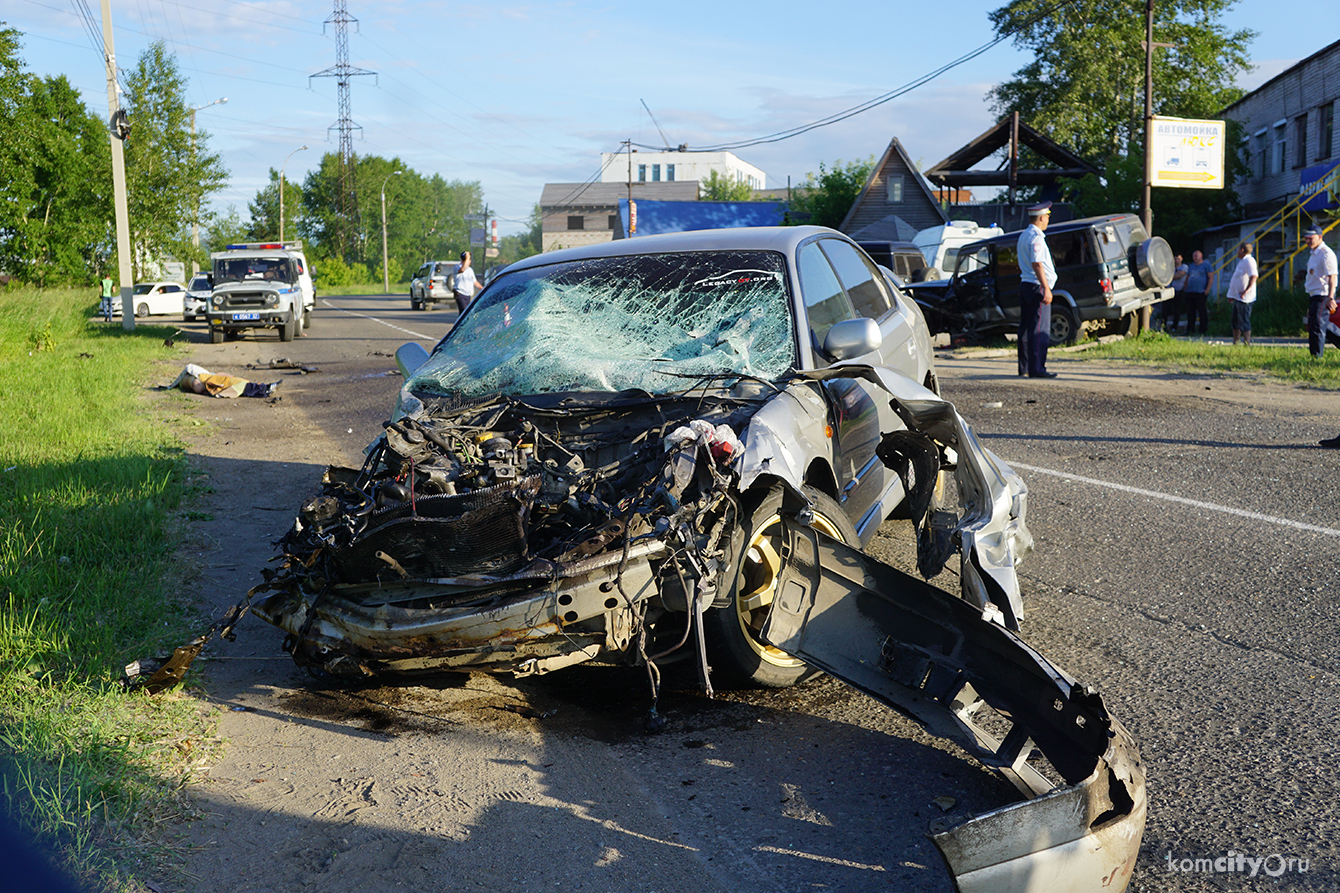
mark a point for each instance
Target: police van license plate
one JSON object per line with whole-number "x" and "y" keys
{"x": 237, "y": 316}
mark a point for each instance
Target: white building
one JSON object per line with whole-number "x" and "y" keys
{"x": 670, "y": 167}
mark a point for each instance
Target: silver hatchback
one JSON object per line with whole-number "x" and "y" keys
{"x": 432, "y": 283}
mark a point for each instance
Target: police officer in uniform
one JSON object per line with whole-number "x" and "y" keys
{"x": 1037, "y": 276}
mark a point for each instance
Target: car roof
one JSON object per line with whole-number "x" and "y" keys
{"x": 745, "y": 238}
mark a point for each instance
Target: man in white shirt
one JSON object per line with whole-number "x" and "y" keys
{"x": 1242, "y": 293}
{"x": 463, "y": 284}
{"x": 1037, "y": 276}
{"x": 1320, "y": 287}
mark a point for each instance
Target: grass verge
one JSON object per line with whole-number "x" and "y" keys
{"x": 91, "y": 485}
{"x": 1293, "y": 364}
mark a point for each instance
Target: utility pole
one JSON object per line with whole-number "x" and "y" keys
{"x": 386, "y": 271}
{"x": 195, "y": 224}
{"x": 1146, "y": 213}
{"x": 119, "y": 130}
{"x": 1146, "y": 195}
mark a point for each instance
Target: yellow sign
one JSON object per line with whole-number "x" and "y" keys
{"x": 1186, "y": 153}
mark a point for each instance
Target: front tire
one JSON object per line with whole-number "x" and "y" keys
{"x": 216, "y": 336}
{"x": 142, "y": 310}
{"x": 306, "y": 317}
{"x": 289, "y": 328}
{"x": 735, "y": 649}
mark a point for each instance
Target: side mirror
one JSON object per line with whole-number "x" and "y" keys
{"x": 410, "y": 357}
{"x": 852, "y": 338}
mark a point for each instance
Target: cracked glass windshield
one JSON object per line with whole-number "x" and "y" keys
{"x": 657, "y": 323}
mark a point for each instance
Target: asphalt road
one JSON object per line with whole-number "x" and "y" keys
{"x": 1185, "y": 566}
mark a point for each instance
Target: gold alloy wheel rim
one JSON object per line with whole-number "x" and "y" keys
{"x": 758, "y": 582}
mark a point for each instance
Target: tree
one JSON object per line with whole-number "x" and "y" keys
{"x": 717, "y": 188}
{"x": 1085, "y": 89}
{"x": 825, "y": 199}
{"x": 55, "y": 207}
{"x": 1085, "y": 85}
{"x": 219, "y": 230}
{"x": 168, "y": 174}
{"x": 425, "y": 216}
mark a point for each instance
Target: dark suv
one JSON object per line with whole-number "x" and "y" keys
{"x": 1107, "y": 268}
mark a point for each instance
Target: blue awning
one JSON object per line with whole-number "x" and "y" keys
{"x": 676, "y": 217}
{"x": 1309, "y": 183}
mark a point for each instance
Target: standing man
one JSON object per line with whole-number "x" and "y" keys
{"x": 1172, "y": 309}
{"x": 108, "y": 292}
{"x": 1199, "y": 281}
{"x": 1037, "y": 276}
{"x": 463, "y": 284}
{"x": 1242, "y": 293}
{"x": 1320, "y": 287}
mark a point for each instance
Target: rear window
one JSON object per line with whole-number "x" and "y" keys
{"x": 1131, "y": 231}
{"x": 1109, "y": 242}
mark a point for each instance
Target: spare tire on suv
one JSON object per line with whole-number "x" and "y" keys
{"x": 1152, "y": 262}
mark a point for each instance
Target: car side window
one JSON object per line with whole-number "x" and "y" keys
{"x": 1067, "y": 249}
{"x": 825, "y": 301}
{"x": 980, "y": 259}
{"x": 859, "y": 277}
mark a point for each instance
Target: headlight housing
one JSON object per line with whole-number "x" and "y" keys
{"x": 271, "y": 299}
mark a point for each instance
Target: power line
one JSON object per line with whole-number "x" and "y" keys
{"x": 871, "y": 103}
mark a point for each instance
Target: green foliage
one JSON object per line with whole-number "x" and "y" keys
{"x": 1177, "y": 213}
{"x": 224, "y": 229}
{"x": 1085, "y": 85}
{"x": 425, "y": 215}
{"x": 825, "y": 199}
{"x": 90, "y": 488}
{"x": 169, "y": 171}
{"x": 333, "y": 272}
{"x": 1085, "y": 89}
{"x": 717, "y": 188}
{"x": 55, "y": 175}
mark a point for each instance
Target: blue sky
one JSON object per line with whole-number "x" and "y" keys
{"x": 519, "y": 94}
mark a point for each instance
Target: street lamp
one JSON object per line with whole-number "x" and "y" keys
{"x": 195, "y": 224}
{"x": 386, "y": 272}
{"x": 281, "y": 190}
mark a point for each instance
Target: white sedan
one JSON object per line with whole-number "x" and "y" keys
{"x": 157, "y": 298}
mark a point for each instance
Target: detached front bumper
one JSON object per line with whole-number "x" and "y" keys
{"x": 932, "y": 657}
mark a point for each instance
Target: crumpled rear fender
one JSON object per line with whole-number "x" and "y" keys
{"x": 935, "y": 659}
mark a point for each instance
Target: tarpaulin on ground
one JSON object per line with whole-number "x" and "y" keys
{"x": 677, "y": 217}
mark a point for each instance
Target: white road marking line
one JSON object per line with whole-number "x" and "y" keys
{"x": 845, "y": 863}
{"x": 409, "y": 332}
{"x": 1255, "y": 516}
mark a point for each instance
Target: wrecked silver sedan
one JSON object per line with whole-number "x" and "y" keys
{"x": 593, "y": 465}
{"x": 675, "y": 447}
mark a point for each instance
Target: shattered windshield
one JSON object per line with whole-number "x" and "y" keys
{"x": 254, "y": 269}
{"x": 657, "y": 323}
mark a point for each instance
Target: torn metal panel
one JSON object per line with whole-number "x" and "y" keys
{"x": 938, "y": 660}
{"x": 991, "y": 534}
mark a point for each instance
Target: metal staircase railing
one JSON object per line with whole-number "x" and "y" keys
{"x": 1289, "y": 221}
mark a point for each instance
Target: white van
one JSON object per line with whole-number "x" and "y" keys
{"x": 940, "y": 244}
